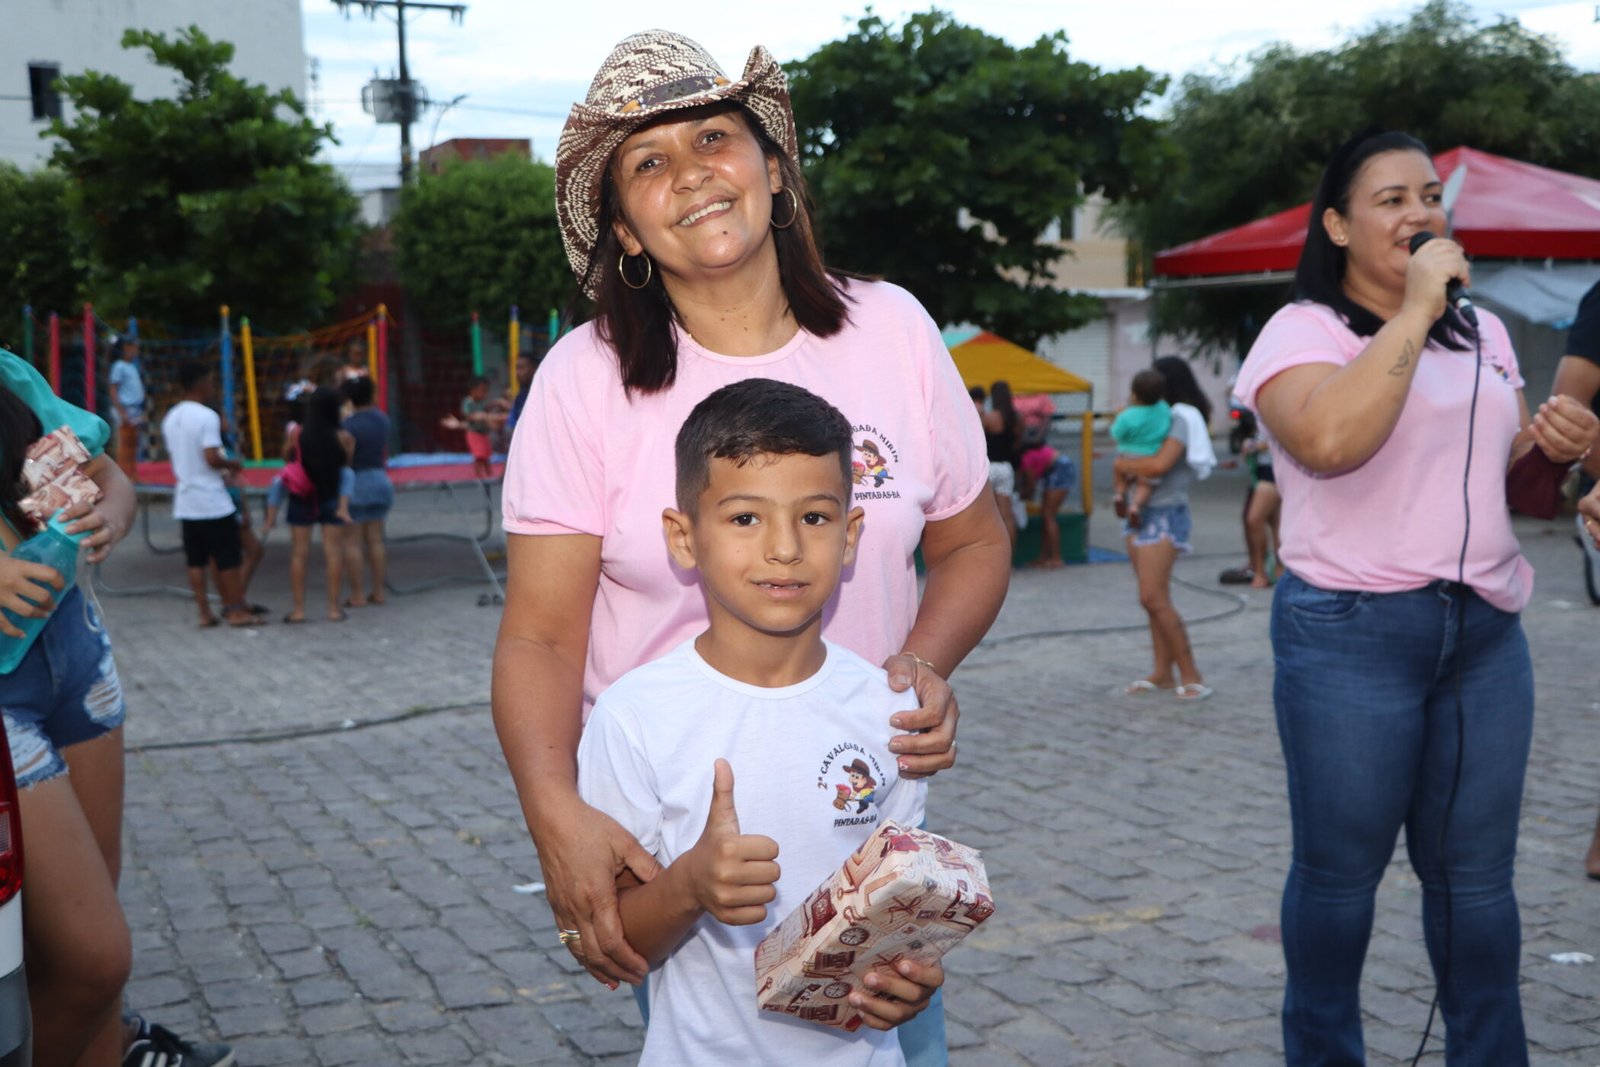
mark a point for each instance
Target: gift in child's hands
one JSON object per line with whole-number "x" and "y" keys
{"x": 52, "y": 469}
{"x": 904, "y": 894}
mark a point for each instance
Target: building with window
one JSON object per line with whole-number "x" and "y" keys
{"x": 45, "y": 39}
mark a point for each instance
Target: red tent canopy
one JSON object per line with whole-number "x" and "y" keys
{"x": 1506, "y": 209}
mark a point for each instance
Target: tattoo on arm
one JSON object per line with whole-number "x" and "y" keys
{"x": 1404, "y": 361}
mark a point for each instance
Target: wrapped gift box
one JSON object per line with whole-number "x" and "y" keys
{"x": 53, "y": 471}
{"x": 904, "y": 894}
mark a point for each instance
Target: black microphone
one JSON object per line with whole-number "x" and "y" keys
{"x": 1454, "y": 294}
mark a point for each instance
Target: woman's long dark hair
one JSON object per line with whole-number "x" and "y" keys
{"x": 320, "y": 451}
{"x": 1000, "y": 399}
{"x": 1319, "y": 276}
{"x": 637, "y": 323}
{"x": 1182, "y": 388}
{"x": 19, "y": 428}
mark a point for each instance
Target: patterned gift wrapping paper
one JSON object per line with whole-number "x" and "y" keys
{"x": 52, "y": 470}
{"x": 904, "y": 894}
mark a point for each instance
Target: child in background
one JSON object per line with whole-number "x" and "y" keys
{"x": 1140, "y": 430}
{"x": 479, "y": 423}
{"x": 127, "y": 403}
{"x": 192, "y": 430}
{"x": 1050, "y": 475}
{"x": 764, "y": 516}
{"x": 298, "y": 394}
{"x": 324, "y": 451}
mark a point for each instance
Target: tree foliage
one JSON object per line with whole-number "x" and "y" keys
{"x": 210, "y": 197}
{"x": 482, "y": 236}
{"x": 1256, "y": 144}
{"x": 42, "y": 264}
{"x": 938, "y": 155}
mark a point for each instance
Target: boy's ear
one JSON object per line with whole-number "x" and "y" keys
{"x": 852, "y": 534}
{"x": 678, "y": 529}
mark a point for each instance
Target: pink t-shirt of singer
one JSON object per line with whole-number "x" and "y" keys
{"x": 588, "y": 459}
{"x": 1395, "y": 522}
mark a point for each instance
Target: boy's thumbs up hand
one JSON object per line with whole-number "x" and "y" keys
{"x": 733, "y": 874}
{"x": 722, "y": 817}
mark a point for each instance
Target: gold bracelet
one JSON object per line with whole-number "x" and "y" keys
{"x": 920, "y": 661}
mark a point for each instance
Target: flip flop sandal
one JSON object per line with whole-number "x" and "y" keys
{"x": 1237, "y": 576}
{"x": 1193, "y": 691}
{"x": 290, "y": 620}
{"x": 1139, "y": 687}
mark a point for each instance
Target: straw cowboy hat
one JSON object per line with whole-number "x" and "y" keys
{"x": 646, "y": 76}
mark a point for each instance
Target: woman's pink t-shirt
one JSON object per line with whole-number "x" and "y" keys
{"x": 586, "y": 459}
{"x": 1395, "y": 522}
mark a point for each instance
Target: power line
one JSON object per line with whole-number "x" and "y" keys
{"x": 404, "y": 89}
{"x": 486, "y": 107}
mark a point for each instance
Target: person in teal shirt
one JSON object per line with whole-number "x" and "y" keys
{"x": 1140, "y": 430}
{"x": 63, "y": 711}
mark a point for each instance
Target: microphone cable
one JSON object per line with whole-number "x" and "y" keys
{"x": 1461, "y": 725}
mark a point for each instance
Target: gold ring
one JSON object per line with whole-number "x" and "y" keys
{"x": 568, "y": 937}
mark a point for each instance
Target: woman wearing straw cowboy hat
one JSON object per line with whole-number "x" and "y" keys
{"x": 685, "y": 218}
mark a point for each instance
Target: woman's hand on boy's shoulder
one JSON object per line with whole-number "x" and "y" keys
{"x": 929, "y": 743}
{"x": 898, "y": 996}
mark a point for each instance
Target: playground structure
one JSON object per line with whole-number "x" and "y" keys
{"x": 417, "y": 381}
{"x": 419, "y": 377}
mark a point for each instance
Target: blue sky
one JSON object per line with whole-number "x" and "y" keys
{"x": 517, "y": 65}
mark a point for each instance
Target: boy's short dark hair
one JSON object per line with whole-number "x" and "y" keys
{"x": 757, "y": 417}
{"x": 1149, "y": 386}
{"x": 477, "y": 380}
{"x": 357, "y": 390}
{"x": 191, "y": 373}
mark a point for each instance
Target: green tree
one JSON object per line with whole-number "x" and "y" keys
{"x": 210, "y": 197}
{"x": 482, "y": 236}
{"x": 42, "y": 264}
{"x": 938, "y": 156}
{"x": 1256, "y": 144}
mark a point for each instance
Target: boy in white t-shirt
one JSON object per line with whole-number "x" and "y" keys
{"x": 192, "y": 430}
{"x": 764, "y": 516}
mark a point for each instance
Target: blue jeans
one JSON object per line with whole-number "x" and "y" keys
{"x": 64, "y": 691}
{"x": 1365, "y": 693}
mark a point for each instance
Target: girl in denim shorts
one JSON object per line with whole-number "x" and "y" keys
{"x": 62, "y": 708}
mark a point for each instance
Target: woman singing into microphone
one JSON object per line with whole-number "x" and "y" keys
{"x": 1396, "y": 424}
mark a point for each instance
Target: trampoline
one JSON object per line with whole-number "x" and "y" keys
{"x": 447, "y": 475}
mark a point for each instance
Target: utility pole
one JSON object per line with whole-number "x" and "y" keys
{"x": 404, "y": 94}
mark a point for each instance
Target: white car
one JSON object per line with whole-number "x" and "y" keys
{"x": 16, "y": 1029}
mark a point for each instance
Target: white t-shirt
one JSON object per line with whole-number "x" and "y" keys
{"x": 646, "y": 759}
{"x": 189, "y": 429}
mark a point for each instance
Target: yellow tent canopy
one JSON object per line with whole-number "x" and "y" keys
{"x": 986, "y": 358}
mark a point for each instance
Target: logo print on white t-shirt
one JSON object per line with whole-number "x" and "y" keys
{"x": 856, "y": 782}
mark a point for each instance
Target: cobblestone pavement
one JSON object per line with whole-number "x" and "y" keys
{"x": 325, "y": 895}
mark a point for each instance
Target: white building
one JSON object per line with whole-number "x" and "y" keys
{"x": 45, "y": 39}
{"x": 1112, "y": 349}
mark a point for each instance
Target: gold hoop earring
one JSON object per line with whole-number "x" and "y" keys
{"x": 649, "y": 270}
{"x": 794, "y": 202}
